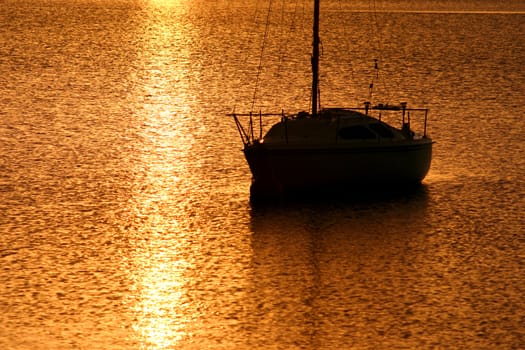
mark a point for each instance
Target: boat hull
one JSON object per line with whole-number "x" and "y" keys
{"x": 277, "y": 169}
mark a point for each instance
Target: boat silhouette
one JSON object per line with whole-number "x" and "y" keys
{"x": 334, "y": 148}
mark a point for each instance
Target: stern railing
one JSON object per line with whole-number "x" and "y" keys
{"x": 253, "y": 132}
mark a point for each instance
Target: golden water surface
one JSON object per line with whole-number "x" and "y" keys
{"x": 125, "y": 220}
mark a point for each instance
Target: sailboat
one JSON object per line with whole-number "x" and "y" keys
{"x": 335, "y": 148}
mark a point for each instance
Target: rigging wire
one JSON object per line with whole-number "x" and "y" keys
{"x": 288, "y": 24}
{"x": 259, "y": 70}
{"x": 284, "y": 49}
{"x": 376, "y": 34}
{"x": 252, "y": 35}
{"x": 346, "y": 42}
{"x": 282, "y": 44}
{"x": 375, "y": 43}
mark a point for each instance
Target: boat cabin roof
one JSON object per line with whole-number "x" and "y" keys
{"x": 332, "y": 125}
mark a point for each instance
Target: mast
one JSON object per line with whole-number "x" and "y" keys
{"x": 315, "y": 60}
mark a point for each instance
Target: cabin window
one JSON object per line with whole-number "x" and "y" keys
{"x": 382, "y": 130}
{"x": 356, "y": 132}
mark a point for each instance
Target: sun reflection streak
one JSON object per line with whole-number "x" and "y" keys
{"x": 161, "y": 275}
{"x": 161, "y": 300}
{"x": 165, "y": 3}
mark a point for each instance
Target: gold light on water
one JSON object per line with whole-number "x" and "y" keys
{"x": 157, "y": 266}
{"x": 160, "y": 303}
{"x": 166, "y": 3}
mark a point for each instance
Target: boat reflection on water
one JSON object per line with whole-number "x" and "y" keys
{"x": 338, "y": 272}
